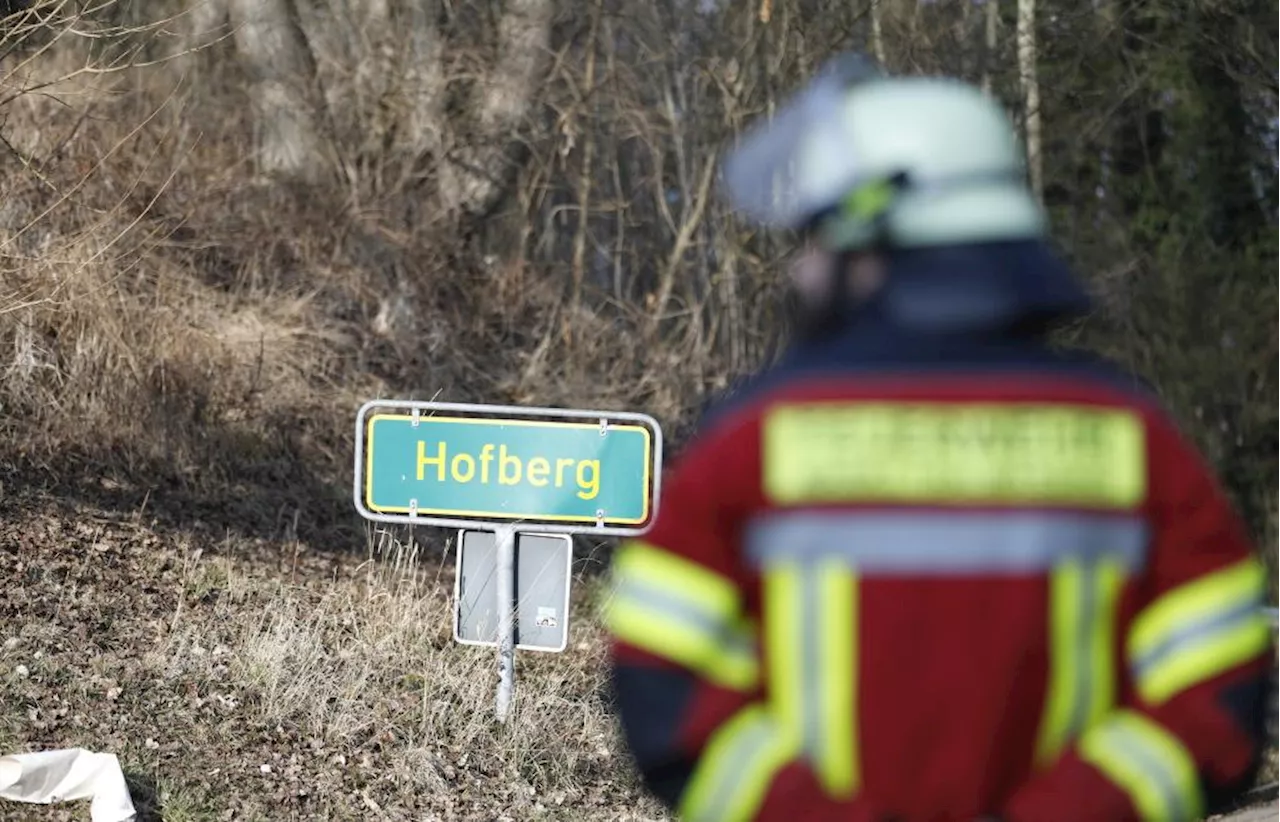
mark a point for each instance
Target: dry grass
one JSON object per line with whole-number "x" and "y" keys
{"x": 182, "y": 350}
{"x": 232, "y": 687}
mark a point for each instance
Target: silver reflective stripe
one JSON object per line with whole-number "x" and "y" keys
{"x": 753, "y": 742}
{"x": 1154, "y": 768}
{"x": 1091, "y": 661}
{"x": 946, "y": 543}
{"x": 810, "y": 627}
{"x": 1189, "y": 637}
{"x": 1086, "y": 613}
{"x": 810, "y": 611}
{"x": 707, "y": 624}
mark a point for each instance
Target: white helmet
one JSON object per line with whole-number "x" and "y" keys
{"x": 862, "y": 159}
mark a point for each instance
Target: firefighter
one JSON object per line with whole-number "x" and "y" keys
{"x": 927, "y": 566}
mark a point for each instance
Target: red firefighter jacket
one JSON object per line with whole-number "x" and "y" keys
{"x": 933, "y": 579}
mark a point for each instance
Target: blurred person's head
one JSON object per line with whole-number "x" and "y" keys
{"x": 910, "y": 195}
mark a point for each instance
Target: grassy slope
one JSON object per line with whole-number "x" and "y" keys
{"x": 269, "y": 681}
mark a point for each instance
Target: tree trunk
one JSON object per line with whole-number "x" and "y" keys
{"x": 424, "y": 81}
{"x": 992, "y": 14}
{"x": 274, "y": 51}
{"x": 375, "y": 68}
{"x": 1026, "y": 35}
{"x": 472, "y": 177}
{"x": 588, "y": 130}
{"x": 206, "y": 21}
{"x": 877, "y": 33}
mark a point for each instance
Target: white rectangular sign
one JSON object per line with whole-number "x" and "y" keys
{"x": 542, "y": 569}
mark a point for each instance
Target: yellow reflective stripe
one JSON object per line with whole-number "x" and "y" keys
{"x": 1064, "y": 617}
{"x": 737, "y": 766}
{"x": 962, "y": 452}
{"x": 712, "y": 592}
{"x": 838, "y": 609}
{"x": 725, "y": 659}
{"x": 1241, "y": 643}
{"x": 1190, "y": 603}
{"x": 1082, "y": 630}
{"x": 1109, "y": 576}
{"x": 810, "y": 635}
{"x": 811, "y": 647}
{"x": 681, "y": 611}
{"x": 1198, "y": 630}
{"x": 784, "y": 644}
{"x": 1150, "y": 764}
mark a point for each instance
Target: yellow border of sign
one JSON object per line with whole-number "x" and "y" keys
{"x": 368, "y": 468}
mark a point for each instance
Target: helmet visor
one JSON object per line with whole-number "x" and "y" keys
{"x": 796, "y": 164}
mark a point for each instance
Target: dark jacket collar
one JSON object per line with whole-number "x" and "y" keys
{"x": 984, "y": 289}
{"x": 942, "y": 302}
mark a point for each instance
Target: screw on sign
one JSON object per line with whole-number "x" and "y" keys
{"x": 519, "y": 482}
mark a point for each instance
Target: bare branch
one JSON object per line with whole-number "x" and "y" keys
{"x": 687, "y": 228}
{"x": 1026, "y": 36}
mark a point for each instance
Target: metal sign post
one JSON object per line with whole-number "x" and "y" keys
{"x": 524, "y": 478}
{"x": 506, "y": 537}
